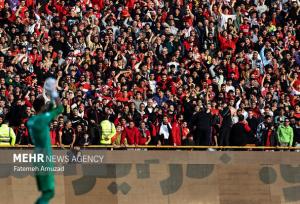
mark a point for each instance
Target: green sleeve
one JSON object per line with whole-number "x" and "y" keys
{"x": 53, "y": 113}
{"x": 12, "y": 136}
{"x": 292, "y": 137}
{"x": 278, "y": 134}
{"x": 56, "y": 111}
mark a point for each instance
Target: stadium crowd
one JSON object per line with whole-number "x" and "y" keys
{"x": 161, "y": 72}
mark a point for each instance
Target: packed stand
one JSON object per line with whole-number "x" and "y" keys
{"x": 173, "y": 72}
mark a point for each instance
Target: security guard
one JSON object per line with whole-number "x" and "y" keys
{"x": 7, "y": 135}
{"x": 108, "y": 130}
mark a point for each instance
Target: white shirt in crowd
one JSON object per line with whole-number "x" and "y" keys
{"x": 164, "y": 130}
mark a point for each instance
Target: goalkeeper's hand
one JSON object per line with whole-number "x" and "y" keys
{"x": 54, "y": 94}
{"x": 50, "y": 84}
{"x": 50, "y": 88}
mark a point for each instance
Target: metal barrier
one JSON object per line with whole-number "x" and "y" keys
{"x": 169, "y": 147}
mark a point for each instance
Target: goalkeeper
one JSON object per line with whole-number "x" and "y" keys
{"x": 38, "y": 127}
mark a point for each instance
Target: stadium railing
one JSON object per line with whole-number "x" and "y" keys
{"x": 154, "y": 147}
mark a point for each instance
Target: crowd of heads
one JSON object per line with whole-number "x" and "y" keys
{"x": 135, "y": 61}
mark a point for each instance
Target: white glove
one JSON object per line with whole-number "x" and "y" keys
{"x": 50, "y": 87}
{"x": 54, "y": 94}
{"x": 50, "y": 84}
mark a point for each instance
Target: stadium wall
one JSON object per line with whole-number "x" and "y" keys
{"x": 163, "y": 177}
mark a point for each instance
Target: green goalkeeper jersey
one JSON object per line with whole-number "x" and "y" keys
{"x": 39, "y": 130}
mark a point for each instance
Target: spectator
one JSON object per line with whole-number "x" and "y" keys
{"x": 285, "y": 134}
{"x": 144, "y": 136}
{"x": 116, "y": 140}
{"x": 53, "y": 135}
{"x": 82, "y": 138}
{"x": 185, "y": 131}
{"x": 269, "y": 136}
{"x": 165, "y": 132}
{"x": 165, "y": 59}
{"x": 108, "y": 131}
{"x": 203, "y": 124}
{"x": 131, "y": 134}
{"x": 67, "y": 135}
{"x": 22, "y": 136}
{"x": 239, "y": 135}
{"x": 253, "y": 123}
{"x": 176, "y": 134}
{"x": 297, "y": 133}
{"x": 93, "y": 131}
{"x": 263, "y": 128}
{"x": 280, "y": 117}
{"x": 225, "y": 126}
{"x": 76, "y": 119}
{"x": 7, "y": 135}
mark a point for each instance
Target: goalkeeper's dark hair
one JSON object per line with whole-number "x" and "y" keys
{"x": 38, "y": 103}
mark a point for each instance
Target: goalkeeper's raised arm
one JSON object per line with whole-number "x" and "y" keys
{"x": 50, "y": 89}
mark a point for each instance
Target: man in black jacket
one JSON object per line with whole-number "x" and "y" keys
{"x": 269, "y": 136}
{"x": 203, "y": 125}
{"x": 149, "y": 110}
{"x": 16, "y": 114}
{"x": 76, "y": 119}
{"x": 253, "y": 122}
{"x": 239, "y": 134}
{"x": 296, "y": 129}
{"x": 225, "y": 126}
